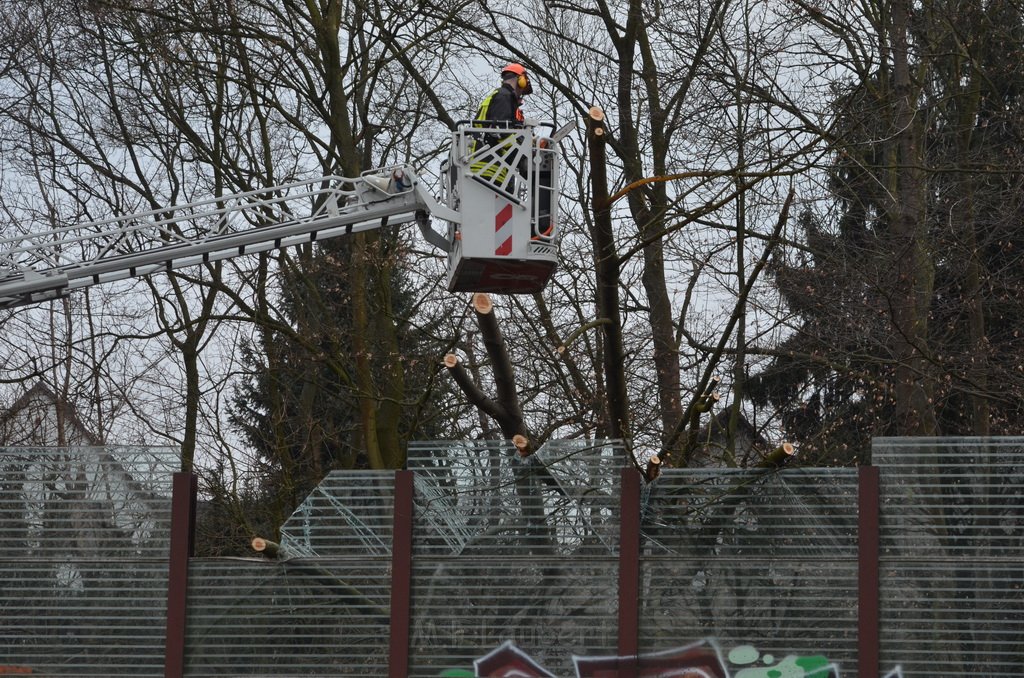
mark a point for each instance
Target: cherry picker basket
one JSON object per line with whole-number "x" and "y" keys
{"x": 503, "y": 181}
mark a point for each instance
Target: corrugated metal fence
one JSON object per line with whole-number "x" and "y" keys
{"x": 486, "y": 547}
{"x": 83, "y": 560}
{"x": 763, "y": 559}
{"x": 952, "y": 555}
{"x": 510, "y": 550}
{"x": 323, "y": 610}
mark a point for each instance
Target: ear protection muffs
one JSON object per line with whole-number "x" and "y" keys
{"x": 522, "y": 80}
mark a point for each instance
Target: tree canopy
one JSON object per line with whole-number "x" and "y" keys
{"x": 800, "y": 218}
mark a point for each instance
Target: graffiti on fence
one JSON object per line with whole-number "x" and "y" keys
{"x": 702, "y": 659}
{"x": 791, "y": 666}
{"x": 697, "y": 660}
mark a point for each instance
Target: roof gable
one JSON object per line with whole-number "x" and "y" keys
{"x": 32, "y": 420}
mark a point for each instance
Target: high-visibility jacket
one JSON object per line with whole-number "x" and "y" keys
{"x": 502, "y": 104}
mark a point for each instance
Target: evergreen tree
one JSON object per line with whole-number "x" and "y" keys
{"x": 299, "y": 407}
{"x": 835, "y": 381}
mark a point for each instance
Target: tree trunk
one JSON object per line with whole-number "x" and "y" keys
{"x": 977, "y": 367}
{"x": 912, "y": 296}
{"x": 607, "y": 280}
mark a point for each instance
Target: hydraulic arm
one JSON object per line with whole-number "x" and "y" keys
{"x": 49, "y": 264}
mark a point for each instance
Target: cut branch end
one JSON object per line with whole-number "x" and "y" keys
{"x": 653, "y": 468}
{"x": 707, "y": 402}
{"x": 780, "y": 455}
{"x": 482, "y": 303}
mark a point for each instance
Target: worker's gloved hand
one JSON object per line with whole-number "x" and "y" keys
{"x": 530, "y": 122}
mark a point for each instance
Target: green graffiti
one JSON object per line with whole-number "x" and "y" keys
{"x": 815, "y": 666}
{"x": 457, "y": 673}
{"x": 790, "y": 667}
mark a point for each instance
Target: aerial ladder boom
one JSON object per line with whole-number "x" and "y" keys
{"x": 482, "y": 206}
{"x": 50, "y": 264}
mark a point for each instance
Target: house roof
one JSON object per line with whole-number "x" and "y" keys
{"x": 28, "y": 430}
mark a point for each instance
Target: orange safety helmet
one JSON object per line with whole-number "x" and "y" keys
{"x": 522, "y": 80}
{"x": 518, "y": 69}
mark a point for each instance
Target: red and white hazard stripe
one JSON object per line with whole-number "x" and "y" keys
{"x": 503, "y": 231}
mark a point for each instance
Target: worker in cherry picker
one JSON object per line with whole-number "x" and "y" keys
{"x": 502, "y": 104}
{"x": 502, "y": 108}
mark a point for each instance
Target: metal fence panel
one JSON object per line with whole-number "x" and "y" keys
{"x": 528, "y": 551}
{"x": 324, "y": 609}
{"x": 300, "y": 617}
{"x": 83, "y": 559}
{"x": 99, "y": 618}
{"x": 347, "y": 514}
{"x": 552, "y": 608}
{"x": 745, "y": 558}
{"x": 507, "y": 550}
{"x": 952, "y": 555}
